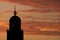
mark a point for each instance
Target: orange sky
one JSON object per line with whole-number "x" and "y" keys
{"x": 36, "y": 15}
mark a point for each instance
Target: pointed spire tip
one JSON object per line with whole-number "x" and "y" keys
{"x": 15, "y": 10}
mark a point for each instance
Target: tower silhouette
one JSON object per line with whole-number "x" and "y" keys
{"x": 15, "y": 32}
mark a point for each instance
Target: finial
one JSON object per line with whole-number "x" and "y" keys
{"x": 15, "y": 10}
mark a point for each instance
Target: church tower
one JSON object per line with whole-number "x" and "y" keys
{"x": 15, "y": 32}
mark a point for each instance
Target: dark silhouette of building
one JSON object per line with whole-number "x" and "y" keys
{"x": 15, "y": 32}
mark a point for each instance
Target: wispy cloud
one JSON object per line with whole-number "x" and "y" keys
{"x": 39, "y": 3}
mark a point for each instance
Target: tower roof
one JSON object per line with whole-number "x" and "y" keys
{"x": 15, "y": 21}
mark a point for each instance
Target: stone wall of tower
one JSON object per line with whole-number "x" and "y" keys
{"x": 14, "y": 35}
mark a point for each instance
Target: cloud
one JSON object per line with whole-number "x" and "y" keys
{"x": 34, "y": 26}
{"x": 45, "y": 5}
{"x": 39, "y": 3}
{"x": 3, "y": 26}
{"x": 40, "y": 28}
{"x": 43, "y": 33}
{"x": 42, "y": 10}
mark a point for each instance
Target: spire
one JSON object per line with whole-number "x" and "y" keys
{"x": 15, "y": 11}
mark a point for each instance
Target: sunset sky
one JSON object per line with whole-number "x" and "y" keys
{"x": 37, "y": 15}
